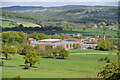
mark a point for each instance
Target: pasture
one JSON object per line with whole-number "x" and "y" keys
{"x": 90, "y": 51}
{"x": 9, "y": 23}
{"x": 75, "y": 66}
{"x": 87, "y": 32}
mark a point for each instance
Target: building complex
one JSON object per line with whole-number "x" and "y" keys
{"x": 66, "y": 43}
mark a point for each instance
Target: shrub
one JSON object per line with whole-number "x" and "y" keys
{"x": 111, "y": 71}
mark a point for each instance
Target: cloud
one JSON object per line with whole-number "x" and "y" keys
{"x": 59, "y": 1}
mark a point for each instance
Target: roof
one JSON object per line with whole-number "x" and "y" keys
{"x": 50, "y": 40}
{"x": 89, "y": 44}
{"x": 50, "y": 44}
{"x": 30, "y": 39}
{"x": 71, "y": 40}
{"x": 60, "y": 43}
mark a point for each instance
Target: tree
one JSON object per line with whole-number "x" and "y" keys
{"x": 63, "y": 53}
{"x": 76, "y": 46}
{"x": 26, "y": 49}
{"x": 18, "y": 47}
{"x": 110, "y": 71}
{"x": 105, "y": 45}
{"x": 38, "y": 36}
{"x": 12, "y": 36}
{"x": 7, "y": 50}
{"x": 48, "y": 51}
{"x": 31, "y": 58}
{"x": 60, "y": 52}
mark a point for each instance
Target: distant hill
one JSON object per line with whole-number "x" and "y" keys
{"x": 17, "y": 8}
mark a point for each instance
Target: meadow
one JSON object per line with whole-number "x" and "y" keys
{"x": 90, "y": 51}
{"x": 8, "y": 23}
{"x": 75, "y": 66}
{"x": 87, "y": 32}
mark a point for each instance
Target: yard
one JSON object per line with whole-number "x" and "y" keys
{"x": 75, "y": 66}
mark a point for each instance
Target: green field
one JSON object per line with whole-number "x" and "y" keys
{"x": 8, "y": 23}
{"x": 90, "y": 51}
{"x": 75, "y": 66}
{"x": 88, "y": 32}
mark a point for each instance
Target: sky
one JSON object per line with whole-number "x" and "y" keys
{"x": 49, "y": 3}
{"x": 59, "y": 0}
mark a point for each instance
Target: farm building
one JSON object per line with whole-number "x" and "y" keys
{"x": 67, "y": 43}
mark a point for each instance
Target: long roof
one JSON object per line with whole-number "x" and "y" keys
{"x": 57, "y": 43}
{"x": 50, "y": 40}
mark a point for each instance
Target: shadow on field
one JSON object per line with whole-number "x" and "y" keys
{"x": 32, "y": 66}
{"x": 21, "y": 65}
{"x": 5, "y": 59}
{"x": 10, "y": 66}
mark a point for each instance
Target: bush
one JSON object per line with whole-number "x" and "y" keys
{"x": 105, "y": 45}
{"x": 26, "y": 67}
{"x": 111, "y": 71}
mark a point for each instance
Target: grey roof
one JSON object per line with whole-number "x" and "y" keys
{"x": 50, "y": 44}
{"x": 89, "y": 45}
{"x": 50, "y": 40}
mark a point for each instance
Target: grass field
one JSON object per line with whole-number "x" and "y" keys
{"x": 88, "y": 32}
{"x": 9, "y": 21}
{"x": 75, "y": 66}
{"x": 90, "y": 51}
{"x": 7, "y": 24}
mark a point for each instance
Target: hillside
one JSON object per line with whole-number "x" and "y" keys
{"x": 17, "y": 8}
{"x": 69, "y": 17}
{"x": 71, "y": 13}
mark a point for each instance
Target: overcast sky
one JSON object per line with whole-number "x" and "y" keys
{"x": 59, "y": 0}
{"x": 49, "y": 3}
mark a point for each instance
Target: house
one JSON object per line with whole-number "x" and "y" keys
{"x": 67, "y": 43}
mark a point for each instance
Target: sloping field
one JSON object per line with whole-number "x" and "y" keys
{"x": 75, "y": 66}
{"x": 13, "y": 23}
